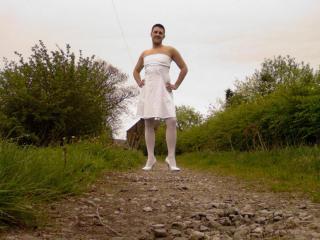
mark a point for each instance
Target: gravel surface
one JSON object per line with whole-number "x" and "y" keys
{"x": 160, "y": 204}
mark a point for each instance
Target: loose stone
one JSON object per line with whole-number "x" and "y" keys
{"x": 160, "y": 232}
{"x": 147, "y": 209}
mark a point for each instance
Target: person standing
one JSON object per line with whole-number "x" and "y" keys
{"x": 156, "y": 98}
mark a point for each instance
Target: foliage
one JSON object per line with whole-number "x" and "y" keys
{"x": 274, "y": 72}
{"x": 30, "y": 175}
{"x": 53, "y": 95}
{"x": 285, "y": 113}
{"x": 187, "y": 117}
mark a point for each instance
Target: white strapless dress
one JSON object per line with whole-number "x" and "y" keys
{"x": 155, "y": 100}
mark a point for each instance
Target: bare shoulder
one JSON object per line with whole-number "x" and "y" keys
{"x": 146, "y": 52}
{"x": 171, "y": 51}
{"x": 174, "y": 53}
{"x": 168, "y": 50}
{"x": 176, "y": 57}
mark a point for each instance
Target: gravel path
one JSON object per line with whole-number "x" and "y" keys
{"x": 183, "y": 205}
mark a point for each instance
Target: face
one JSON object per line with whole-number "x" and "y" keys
{"x": 157, "y": 35}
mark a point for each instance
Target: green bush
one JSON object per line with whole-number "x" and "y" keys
{"x": 53, "y": 95}
{"x": 273, "y": 73}
{"x": 288, "y": 114}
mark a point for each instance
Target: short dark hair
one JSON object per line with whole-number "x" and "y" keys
{"x": 158, "y": 25}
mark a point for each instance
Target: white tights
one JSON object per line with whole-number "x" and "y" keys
{"x": 171, "y": 137}
{"x": 150, "y": 137}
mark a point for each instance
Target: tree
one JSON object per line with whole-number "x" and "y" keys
{"x": 273, "y": 73}
{"x": 53, "y": 95}
{"x": 187, "y": 117}
{"x": 228, "y": 96}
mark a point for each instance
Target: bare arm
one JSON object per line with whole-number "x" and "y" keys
{"x": 176, "y": 57}
{"x": 137, "y": 70}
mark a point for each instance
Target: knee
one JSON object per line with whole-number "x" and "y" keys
{"x": 171, "y": 122}
{"x": 149, "y": 123}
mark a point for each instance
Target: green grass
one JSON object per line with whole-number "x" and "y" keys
{"x": 285, "y": 170}
{"x": 30, "y": 175}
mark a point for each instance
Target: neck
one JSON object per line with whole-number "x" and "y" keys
{"x": 156, "y": 45}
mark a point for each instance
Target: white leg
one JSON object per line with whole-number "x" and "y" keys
{"x": 171, "y": 138}
{"x": 150, "y": 142}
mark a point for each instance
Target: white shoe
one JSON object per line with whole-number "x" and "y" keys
{"x": 172, "y": 164}
{"x": 149, "y": 165}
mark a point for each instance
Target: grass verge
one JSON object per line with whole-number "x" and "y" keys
{"x": 32, "y": 175}
{"x": 285, "y": 170}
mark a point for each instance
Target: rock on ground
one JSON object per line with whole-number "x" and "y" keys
{"x": 160, "y": 204}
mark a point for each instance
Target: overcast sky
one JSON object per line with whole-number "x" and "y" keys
{"x": 220, "y": 40}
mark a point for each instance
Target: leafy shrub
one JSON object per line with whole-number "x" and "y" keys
{"x": 284, "y": 114}
{"x": 53, "y": 95}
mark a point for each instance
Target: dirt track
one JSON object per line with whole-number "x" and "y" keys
{"x": 186, "y": 205}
